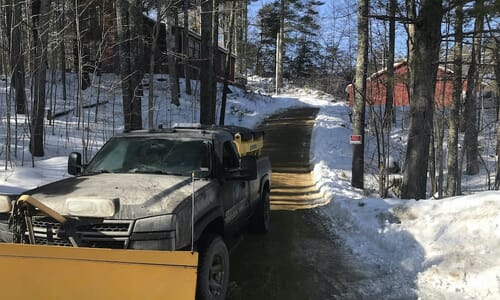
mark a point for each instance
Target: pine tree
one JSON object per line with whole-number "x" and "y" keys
{"x": 306, "y": 61}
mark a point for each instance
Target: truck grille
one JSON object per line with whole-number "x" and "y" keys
{"x": 99, "y": 233}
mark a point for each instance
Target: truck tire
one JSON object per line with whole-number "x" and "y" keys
{"x": 261, "y": 221}
{"x": 213, "y": 269}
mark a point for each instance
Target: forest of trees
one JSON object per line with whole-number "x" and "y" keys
{"x": 458, "y": 35}
{"x": 283, "y": 39}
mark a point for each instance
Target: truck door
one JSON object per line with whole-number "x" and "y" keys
{"x": 235, "y": 190}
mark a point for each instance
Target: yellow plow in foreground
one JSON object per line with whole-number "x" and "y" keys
{"x": 53, "y": 272}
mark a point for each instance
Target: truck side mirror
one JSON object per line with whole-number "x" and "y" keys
{"x": 248, "y": 167}
{"x": 75, "y": 163}
{"x": 246, "y": 171}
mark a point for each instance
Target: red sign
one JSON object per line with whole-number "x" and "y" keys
{"x": 356, "y": 139}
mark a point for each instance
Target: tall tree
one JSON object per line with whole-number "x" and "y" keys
{"x": 308, "y": 53}
{"x": 389, "y": 116}
{"x": 269, "y": 24}
{"x": 227, "y": 63}
{"x": 452, "y": 182}
{"x": 208, "y": 83}
{"x": 14, "y": 22}
{"x": 185, "y": 47}
{"x": 41, "y": 17}
{"x": 358, "y": 150}
{"x": 471, "y": 126}
{"x": 152, "y": 63}
{"x": 241, "y": 38}
{"x": 171, "y": 28}
{"x": 497, "y": 77}
{"x": 128, "y": 27}
{"x": 424, "y": 60}
{"x": 280, "y": 36}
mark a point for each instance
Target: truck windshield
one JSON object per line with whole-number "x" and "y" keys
{"x": 152, "y": 155}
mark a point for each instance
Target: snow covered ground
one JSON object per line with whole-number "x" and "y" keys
{"x": 449, "y": 248}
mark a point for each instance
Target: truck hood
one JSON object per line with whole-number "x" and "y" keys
{"x": 139, "y": 195}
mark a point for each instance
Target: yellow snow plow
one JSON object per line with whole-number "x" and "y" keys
{"x": 54, "y": 272}
{"x": 248, "y": 142}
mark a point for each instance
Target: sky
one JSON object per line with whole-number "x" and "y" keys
{"x": 337, "y": 19}
{"x": 437, "y": 249}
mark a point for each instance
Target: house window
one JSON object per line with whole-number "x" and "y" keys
{"x": 194, "y": 48}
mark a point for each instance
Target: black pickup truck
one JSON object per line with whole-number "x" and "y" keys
{"x": 143, "y": 190}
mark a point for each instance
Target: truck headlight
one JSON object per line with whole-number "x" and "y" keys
{"x": 5, "y": 204}
{"x": 155, "y": 224}
{"x": 154, "y": 233}
{"x": 90, "y": 207}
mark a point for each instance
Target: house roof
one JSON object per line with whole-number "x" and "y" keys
{"x": 400, "y": 65}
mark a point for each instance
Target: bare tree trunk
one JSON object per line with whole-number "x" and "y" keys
{"x": 63, "y": 53}
{"x": 358, "y": 150}
{"x": 411, "y": 9}
{"x": 152, "y": 63}
{"x": 497, "y": 77}
{"x": 40, "y": 15}
{"x": 208, "y": 80}
{"x": 280, "y": 48}
{"x": 471, "y": 128}
{"x": 432, "y": 165}
{"x": 129, "y": 66}
{"x": 227, "y": 68}
{"x": 185, "y": 47}
{"x": 389, "y": 115}
{"x": 454, "y": 124}
{"x": 14, "y": 20}
{"x": 423, "y": 68}
{"x": 171, "y": 52}
{"x": 138, "y": 61}
{"x": 241, "y": 38}
{"x": 8, "y": 123}
{"x": 80, "y": 72}
{"x": 124, "y": 54}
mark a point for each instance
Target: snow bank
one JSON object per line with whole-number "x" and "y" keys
{"x": 447, "y": 249}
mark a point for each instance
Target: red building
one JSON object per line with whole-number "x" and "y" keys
{"x": 376, "y": 87}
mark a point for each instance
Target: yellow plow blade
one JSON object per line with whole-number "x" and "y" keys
{"x": 51, "y": 272}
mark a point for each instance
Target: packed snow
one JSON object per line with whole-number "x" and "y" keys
{"x": 448, "y": 248}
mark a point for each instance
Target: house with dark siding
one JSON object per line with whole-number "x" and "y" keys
{"x": 99, "y": 50}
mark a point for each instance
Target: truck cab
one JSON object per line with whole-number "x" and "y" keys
{"x": 183, "y": 188}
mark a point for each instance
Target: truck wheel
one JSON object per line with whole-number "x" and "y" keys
{"x": 213, "y": 269}
{"x": 261, "y": 221}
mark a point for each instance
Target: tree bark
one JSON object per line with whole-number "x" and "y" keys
{"x": 358, "y": 151}
{"x": 40, "y": 15}
{"x": 432, "y": 165}
{"x": 207, "y": 80}
{"x": 227, "y": 67}
{"x": 280, "y": 49}
{"x": 14, "y": 20}
{"x": 130, "y": 71}
{"x": 471, "y": 126}
{"x": 389, "y": 116}
{"x": 185, "y": 47}
{"x": 454, "y": 124}
{"x": 152, "y": 63}
{"x": 423, "y": 68}
{"x": 497, "y": 76}
{"x": 171, "y": 52}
